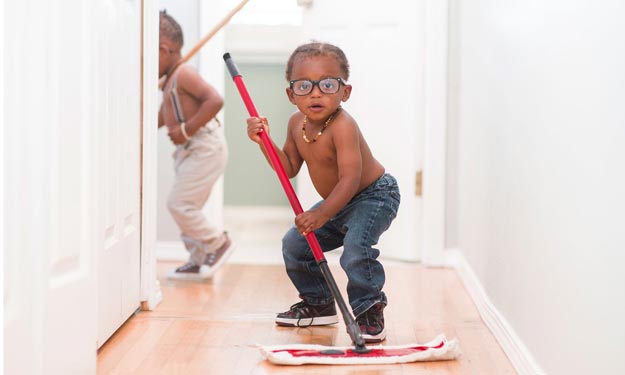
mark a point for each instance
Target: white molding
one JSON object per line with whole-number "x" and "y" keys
{"x": 150, "y": 293}
{"x": 262, "y": 43}
{"x": 255, "y": 230}
{"x": 435, "y": 132}
{"x": 515, "y": 349}
{"x": 171, "y": 251}
{"x": 154, "y": 298}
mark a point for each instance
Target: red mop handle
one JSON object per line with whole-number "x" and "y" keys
{"x": 273, "y": 156}
{"x": 352, "y": 327}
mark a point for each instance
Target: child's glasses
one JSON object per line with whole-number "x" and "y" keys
{"x": 302, "y": 87}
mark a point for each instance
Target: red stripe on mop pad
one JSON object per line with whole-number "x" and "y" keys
{"x": 438, "y": 349}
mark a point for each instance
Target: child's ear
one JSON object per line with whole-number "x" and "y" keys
{"x": 347, "y": 91}
{"x": 290, "y": 95}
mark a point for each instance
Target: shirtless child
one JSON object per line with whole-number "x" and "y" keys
{"x": 188, "y": 111}
{"x": 359, "y": 201}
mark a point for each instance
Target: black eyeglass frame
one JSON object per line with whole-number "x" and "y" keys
{"x": 316, "y": 83}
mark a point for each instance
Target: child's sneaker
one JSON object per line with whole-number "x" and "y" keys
{"x": 190, "y": 271}
{"x": 217, "y": 258}
{"x": 212, "y": 262}
{"x": 304, "y": 315}
{"x": 371, "y": 323}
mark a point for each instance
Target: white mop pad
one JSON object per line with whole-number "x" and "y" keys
{"x": 438, "y": 349}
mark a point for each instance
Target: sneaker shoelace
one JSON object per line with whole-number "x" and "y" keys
{"x": 299, "y": 307}
{"x": 302, "y": 308}
{"x": 212, "y": 258}
{"x": 186, "y": 267}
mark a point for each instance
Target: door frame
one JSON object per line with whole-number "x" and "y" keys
{"x": 435, "y": 134}
{"x": 151, "y": 294}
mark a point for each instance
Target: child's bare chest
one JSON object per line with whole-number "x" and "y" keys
{"x": 320, "y": 153}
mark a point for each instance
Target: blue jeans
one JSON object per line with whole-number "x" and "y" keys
{"x": 357, "y": 227}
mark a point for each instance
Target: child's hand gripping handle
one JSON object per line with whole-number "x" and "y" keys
{"x": 352, "y": 327}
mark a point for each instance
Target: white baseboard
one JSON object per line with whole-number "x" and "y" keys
{"x": 256, "y": 230}
{"x": 517, "y": 352}
{"x": 171, "y": 251}
{"x": 244, "y": 253}
{"x": 155, "y": 298}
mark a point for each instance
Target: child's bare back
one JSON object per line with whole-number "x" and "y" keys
{"x": 188, "y": 104}
{"x": 187, "y": 95}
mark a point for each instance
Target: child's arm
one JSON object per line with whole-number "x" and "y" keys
{"x": 289, "y": 157}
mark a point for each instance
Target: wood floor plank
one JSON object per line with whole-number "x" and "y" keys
{"x": 213, "y": 327}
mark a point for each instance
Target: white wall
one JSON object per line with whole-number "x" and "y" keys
{"x": 540, "y": 122}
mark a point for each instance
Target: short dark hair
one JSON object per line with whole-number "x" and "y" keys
{"x": 318, "y": 49}
{"x": 169, "y": 28}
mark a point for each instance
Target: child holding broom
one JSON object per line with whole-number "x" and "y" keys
{"x": 360, "y": 200}
{"x": 189, "y": 110}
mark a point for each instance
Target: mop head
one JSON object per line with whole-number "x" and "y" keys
{"x": 438, "y": 349}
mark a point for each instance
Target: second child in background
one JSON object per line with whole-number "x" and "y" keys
{"x": 189, "y": 110}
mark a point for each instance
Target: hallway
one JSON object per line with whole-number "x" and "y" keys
{"x": 212, "y": 327}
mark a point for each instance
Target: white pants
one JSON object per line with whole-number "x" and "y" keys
{"x": 198, "y": 165}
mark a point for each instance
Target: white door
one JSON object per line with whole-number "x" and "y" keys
{"x": 384, "y": 44}
{"x": 119, "y": 79}
{"x": 51, "y": 206}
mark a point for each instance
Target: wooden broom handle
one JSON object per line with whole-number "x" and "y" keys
{"x": 213, "y": 31}
{"x": 205, "y": 39}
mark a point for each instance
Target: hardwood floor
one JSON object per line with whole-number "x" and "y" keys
{"x": 213, "y": 327}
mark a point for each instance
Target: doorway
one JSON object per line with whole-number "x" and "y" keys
{"x": 249, "y": 180}
{"x": 256, "y": 210}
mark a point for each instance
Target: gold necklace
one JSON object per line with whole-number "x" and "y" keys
{"x": 320, "y": 131}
